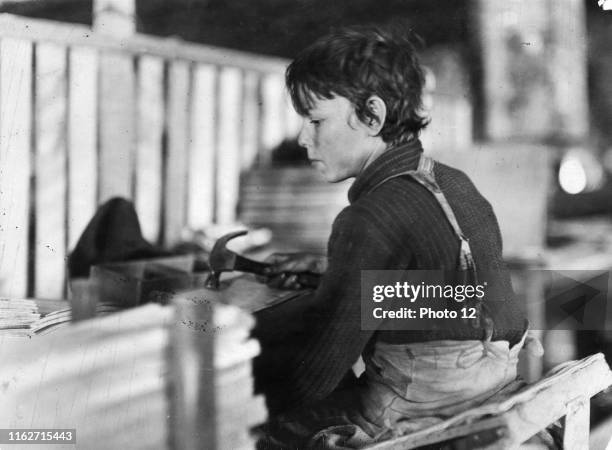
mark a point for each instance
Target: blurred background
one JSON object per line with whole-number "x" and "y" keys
{"x": 179, "y": 106}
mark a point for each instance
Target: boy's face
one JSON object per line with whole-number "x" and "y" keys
{"x": 339, "y": 145}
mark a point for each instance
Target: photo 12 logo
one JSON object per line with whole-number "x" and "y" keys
{"x": 606, "y": 5}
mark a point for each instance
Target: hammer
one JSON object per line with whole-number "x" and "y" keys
{"x": 222, "y": 259}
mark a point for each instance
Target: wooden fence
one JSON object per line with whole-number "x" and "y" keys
{"x": 85, "y": 117}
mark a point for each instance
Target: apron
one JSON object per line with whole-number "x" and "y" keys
{"x": 409, "y": 387}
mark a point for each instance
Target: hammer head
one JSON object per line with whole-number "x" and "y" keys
{"x": 221, "y": 258}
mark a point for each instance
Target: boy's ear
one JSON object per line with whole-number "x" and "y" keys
{"x": 378, "y": 109}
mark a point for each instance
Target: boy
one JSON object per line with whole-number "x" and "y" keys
{"x": 359, "y": 92}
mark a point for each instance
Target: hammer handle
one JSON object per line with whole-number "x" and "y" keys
{"x": 248, "y": 265}
{"x": 306, "y": 279}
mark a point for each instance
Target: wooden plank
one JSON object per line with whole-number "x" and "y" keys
{"x": 228, "y": 156}
{"x": 273, "y": 114}
{"x": 522, "y": 414}
{"x": 116, "y": 122}
{"x": 167, "y": 48}
{"x": 250, "y": 120}
{"x": 175, "y": 191}
{"x": 148, "y": 194}
{"x": 15, "y": 133}
{"x": 82, "y": 140}
{"x": 202, "y": 147}
{"x": 51, "y": 101}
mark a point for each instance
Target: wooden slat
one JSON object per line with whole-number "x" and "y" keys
{"x": 50, "y": 105}
{"x": 274, "y": 108}
{"x": 148, "y": 193}
{"x": 167, "y": 48}
{"x": 228, "y": 159}
{"x": 202, "y": 147}
{"x": 522, "y": 414}
{"x": 15, "y": 132}
{"x": 250, "y": 120}
{"x": 82, "y": 141}
{"x": 175, "y": 191}
{"x": 116, "y": 122}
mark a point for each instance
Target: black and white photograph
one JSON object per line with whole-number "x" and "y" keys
{"x": 306, "y": 224}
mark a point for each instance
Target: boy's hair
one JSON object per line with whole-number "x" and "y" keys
{"x": 359, "y": 62}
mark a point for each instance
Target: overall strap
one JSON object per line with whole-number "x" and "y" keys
{"x": 424, "y": 175}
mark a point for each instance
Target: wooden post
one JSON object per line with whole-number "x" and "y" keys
{"x": 15, "y": 129}
{"x": 273, "y": 115}
{"x": 175, "y": 190}
{"x": 250, "y": 120}
{"x": 51, "y": 151}
{"x": 149, "y": 145}
{"x": 117, "y": 101}
{"x": 228, "y": 156}
{"x": 202, "y": 150}
{"x": 82, "y": 140}
{"x": 115, "y": 17}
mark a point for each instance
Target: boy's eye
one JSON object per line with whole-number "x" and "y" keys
{"x": 315, "y": 122}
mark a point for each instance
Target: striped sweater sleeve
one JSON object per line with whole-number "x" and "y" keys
{"x": 334, "y": 339}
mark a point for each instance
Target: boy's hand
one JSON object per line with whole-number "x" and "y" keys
{"x": 278, "y": 275}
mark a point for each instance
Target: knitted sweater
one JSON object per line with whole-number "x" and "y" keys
{"x": 398, "y": 225}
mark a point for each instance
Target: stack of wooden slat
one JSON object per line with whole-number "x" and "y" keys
{"x": 212, "y": 377}
{"x": 104, "y": 377}
{"x": 295, "y": 203}
{"x": 62, "y": 318}
{"x": 238, "y": 408}
{"x": 149, "y": 377}
{"x": 17, "y": 316}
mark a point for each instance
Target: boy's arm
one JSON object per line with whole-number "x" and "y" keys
{"x": 333, "y": 339}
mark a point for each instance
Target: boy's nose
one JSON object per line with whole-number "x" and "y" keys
{"x": 303, "y": 139}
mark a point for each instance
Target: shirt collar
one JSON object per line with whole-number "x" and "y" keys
{"x": 392, "y": 161}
